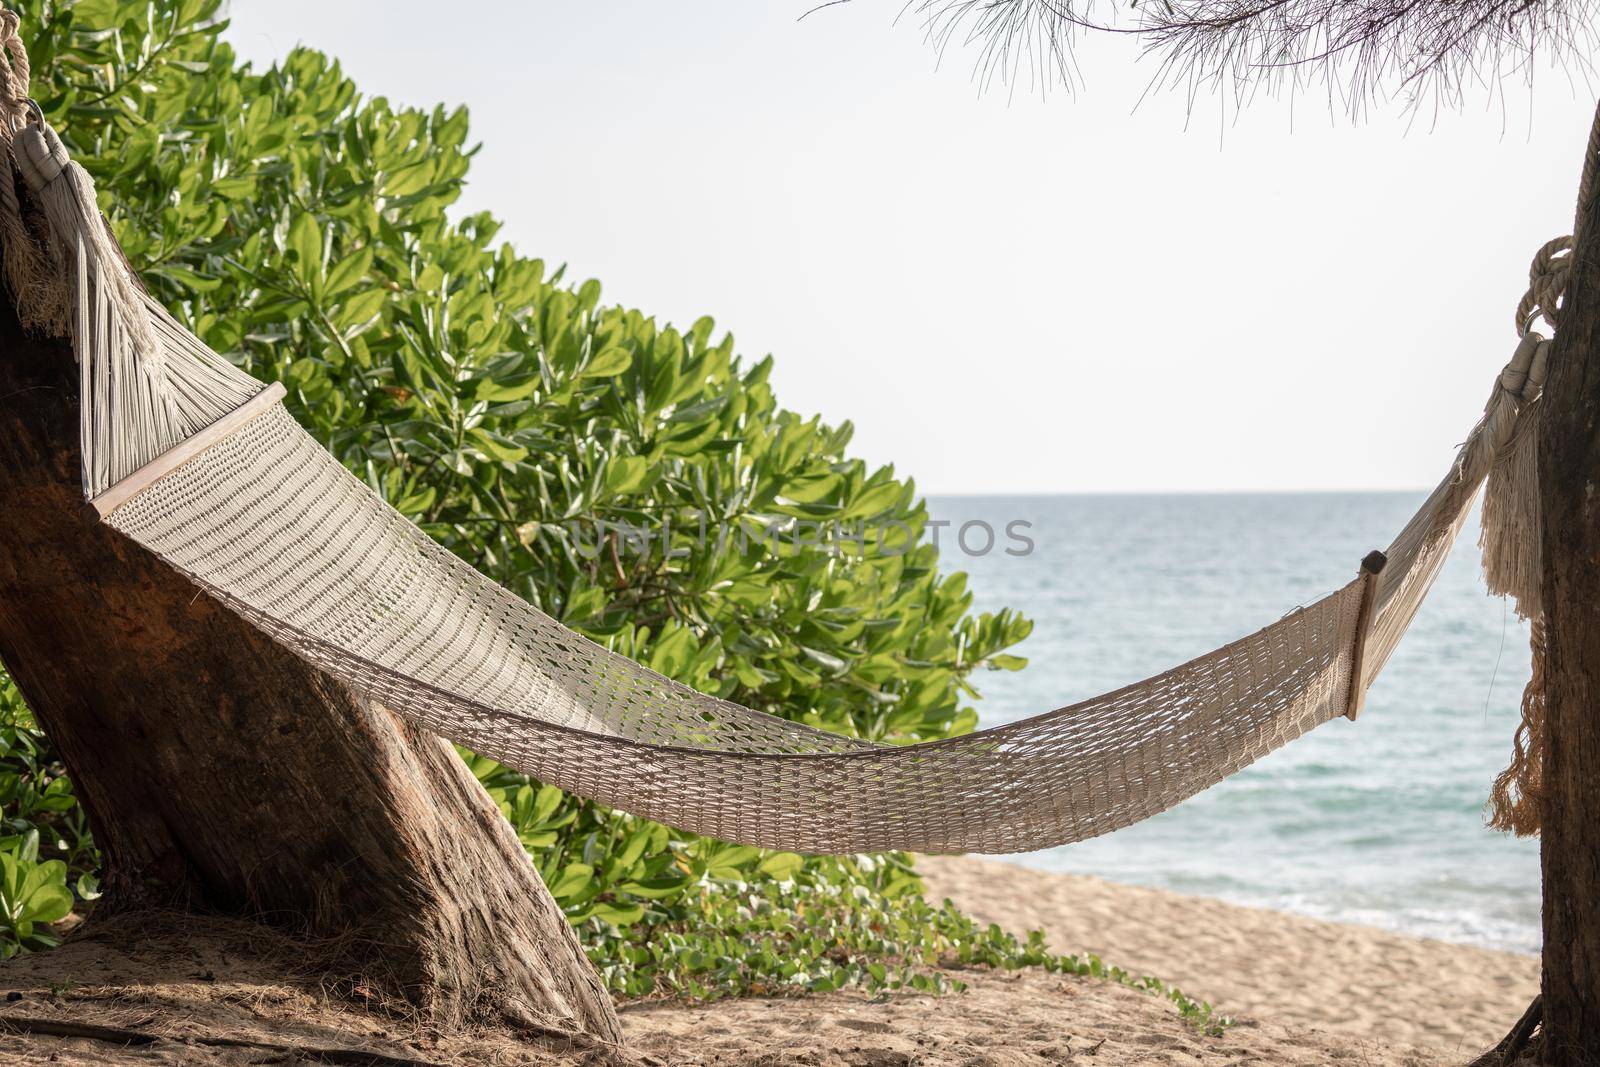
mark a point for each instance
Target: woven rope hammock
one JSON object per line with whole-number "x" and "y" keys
{"x": 203, "y": 466}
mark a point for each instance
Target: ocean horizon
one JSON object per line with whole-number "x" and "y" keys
{"x": 1379, "y": 822}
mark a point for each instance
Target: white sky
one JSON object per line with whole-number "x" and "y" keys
{"x": 1005, "y": 295}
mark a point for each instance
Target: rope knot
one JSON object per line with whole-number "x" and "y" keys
{"x": 40, "y": 156}
{"x": 1523, "y": 377}
{"x": 1547, "y": 283}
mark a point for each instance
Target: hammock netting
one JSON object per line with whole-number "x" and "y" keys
{"x": 205, "y": 468}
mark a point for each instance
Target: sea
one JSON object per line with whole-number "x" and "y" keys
{"x": 1378, "y": 821}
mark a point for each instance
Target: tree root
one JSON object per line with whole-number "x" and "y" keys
{"x": 1518, "y": 1041}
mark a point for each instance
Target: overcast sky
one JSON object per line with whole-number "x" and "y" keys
{"x": 1084, "y": 293}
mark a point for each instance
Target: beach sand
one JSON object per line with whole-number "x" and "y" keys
{"x": 1004, "y": 1019}
{"x": 1302, "y": 992}
{"x": 202, "y": 1002}
{"x": 1347, "y": 979}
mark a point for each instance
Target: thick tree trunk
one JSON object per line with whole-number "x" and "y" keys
{"x": 1569, "y": 477}
{"x": 222, "y": 773}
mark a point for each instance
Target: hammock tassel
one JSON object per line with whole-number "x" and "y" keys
{"x": 1510, "y": 538}
{"x": 1516, "y": 803}
{"x": 1510, "y": 535}
{"x": 1512, "y": 556}
{"x": 126, "y": 408}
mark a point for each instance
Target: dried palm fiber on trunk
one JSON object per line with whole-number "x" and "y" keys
{"x": 259, "y": 515}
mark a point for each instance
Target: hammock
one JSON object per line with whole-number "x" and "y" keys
{"x": 204, "y": 467}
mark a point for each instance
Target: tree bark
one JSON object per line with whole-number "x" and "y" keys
{"x": 1569, "y": 488}
{"x": 222, "y": 773}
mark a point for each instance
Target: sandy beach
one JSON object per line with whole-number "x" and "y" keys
{"x": 1301, "y": 992}
{"x": 1005, "y": 1019}
{"x": 1347, "y": 979}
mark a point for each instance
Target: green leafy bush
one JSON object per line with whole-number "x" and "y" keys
{"x": 33, "y": 894}
{"x": 38, "y": 814}
{"x": 635, "y": 480}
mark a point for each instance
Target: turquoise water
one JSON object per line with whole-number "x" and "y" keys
{"x": 1378, "y": 821}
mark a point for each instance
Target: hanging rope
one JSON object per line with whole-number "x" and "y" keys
{"x": 15, "y": 73}
{"x": 35, "y": 278}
